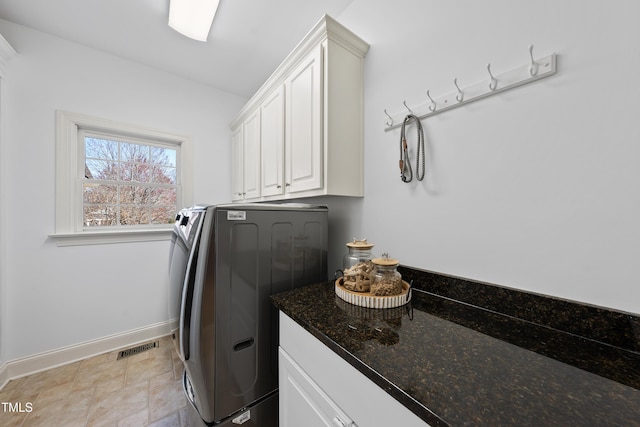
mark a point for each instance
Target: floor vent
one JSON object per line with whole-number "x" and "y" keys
{"x": 136, "y": 350}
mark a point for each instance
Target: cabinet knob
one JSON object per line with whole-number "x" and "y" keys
{"x": 287, "y": 184}
{"x": 279, "y": 186}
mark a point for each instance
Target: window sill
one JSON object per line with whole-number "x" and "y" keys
{"x": 104, "y": 237}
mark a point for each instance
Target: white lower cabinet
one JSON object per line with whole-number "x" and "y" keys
{"x": 319, "y": 388}
{"x": 302, "y": 402}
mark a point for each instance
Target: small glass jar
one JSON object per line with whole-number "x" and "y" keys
{"x": 385, "y": 278}
{"x": 359, "y": 251}
{"x": 357, "y": 266}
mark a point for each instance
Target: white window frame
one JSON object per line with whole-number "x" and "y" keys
{"x": 69, "y": 229}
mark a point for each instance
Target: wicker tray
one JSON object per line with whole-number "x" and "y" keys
{"x": 365, "y": 299}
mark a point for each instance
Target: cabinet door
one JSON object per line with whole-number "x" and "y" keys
{"x": 302, "y": 402}
{"x": 237, "y": 164}
{"x": 303, "y": 123}
{"x": 251, "y": 153}
{"x": 272, "y": 143}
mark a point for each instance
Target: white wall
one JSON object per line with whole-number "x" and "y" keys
{"x": 61, "y": 296}
{"x": 536, "y": 188}
{"x": 6, "y": 54}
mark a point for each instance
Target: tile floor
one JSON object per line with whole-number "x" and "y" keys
{"x": 140, "y": 390}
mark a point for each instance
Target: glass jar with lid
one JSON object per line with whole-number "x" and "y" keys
{"x": 357, "y": 266}
{"x": 359, "y": 251}
{"x": 385, "y": 278}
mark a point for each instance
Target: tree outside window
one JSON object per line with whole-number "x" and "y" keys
{"x": 128, "y": 183}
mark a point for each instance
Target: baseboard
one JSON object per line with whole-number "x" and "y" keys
{"x": 52, "y": 359}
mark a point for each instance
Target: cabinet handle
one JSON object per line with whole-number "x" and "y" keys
{"x": 338, "y": 422}
{"x": 287, "y": 184}
{"x": 279, "y": 186}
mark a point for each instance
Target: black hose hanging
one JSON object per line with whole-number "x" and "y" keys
{"x": 406, "y": 173}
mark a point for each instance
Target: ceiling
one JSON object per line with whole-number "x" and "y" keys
{"x": 248, "y": 40}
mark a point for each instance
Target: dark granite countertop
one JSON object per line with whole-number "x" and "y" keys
{"x": 453, "y": 363}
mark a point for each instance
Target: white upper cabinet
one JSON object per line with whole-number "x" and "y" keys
{"x": 237, "y": 164}
{"x": 245, "y": 159}
{"x": 251, "y": 154}
{"x": 303, "y": 146}
{"x": 272, "y": 139}
{"x": 310, "y": 111}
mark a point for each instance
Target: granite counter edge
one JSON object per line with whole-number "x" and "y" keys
{"x": 405, "y": 399}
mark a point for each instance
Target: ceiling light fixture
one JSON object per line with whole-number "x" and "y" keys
{"x": 192, "y": 18}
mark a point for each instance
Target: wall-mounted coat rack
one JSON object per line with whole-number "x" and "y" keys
{"x": 536, "y": 69}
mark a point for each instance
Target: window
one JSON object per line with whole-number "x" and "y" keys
{"x": 117, "y": 182}
{"x": 127, "y": 183}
